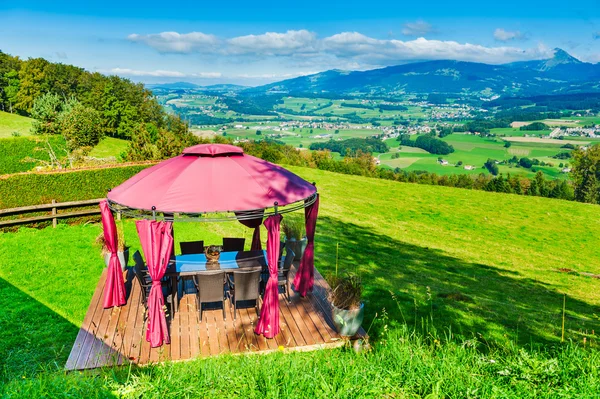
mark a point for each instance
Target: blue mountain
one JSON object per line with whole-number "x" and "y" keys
{"x": 560, "y": 74}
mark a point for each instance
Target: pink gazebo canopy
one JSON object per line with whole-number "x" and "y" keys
{"x": 211, "y": 178}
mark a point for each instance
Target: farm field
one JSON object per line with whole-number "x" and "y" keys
{"x": 515, "y": 132}
{"x": 298, "y": 137}
{"x": 11, "y": 123}
{"x": 475, "y": 151}
{"x": 436, "y": 259}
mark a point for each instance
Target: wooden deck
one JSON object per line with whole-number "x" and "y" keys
{"x": 110, "y": 337}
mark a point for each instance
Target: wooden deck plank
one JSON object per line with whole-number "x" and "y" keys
{"x": 117, "y": 336}
{"x": 127, "y": 341}
{"x": 184, "y": 327}
{"x": 194, "y": 327}
{"x": 83, "y": 335}
{"x": 298, "y": 339}
{"x": 90, "y": 345}
{"x": 138, "y": 329}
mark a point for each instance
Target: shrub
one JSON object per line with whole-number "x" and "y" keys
{"x": 81, "y": 127}
{"x": 41, "y": 188}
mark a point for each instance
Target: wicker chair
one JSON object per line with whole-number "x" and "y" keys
{"x": 233, "y": 244}
{"x": 244, "y": 286}
{"x": 284, "y": 271}
{"x": 192, "y": 247}
{"x": 211, "y": 289}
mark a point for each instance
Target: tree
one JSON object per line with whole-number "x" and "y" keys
{"x": 46, "y": 111}
{"x": 491, "y": 166}
{"x": 258, "y": 132}
{"x": 141, "y": 147}
{"x": 507, "y": 144}
{"x": 80, "y": 125}
{"x": 32, "y": 84}
{"x": 586, "y": 174}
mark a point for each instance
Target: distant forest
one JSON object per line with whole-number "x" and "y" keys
{"x": 121, "y": 104}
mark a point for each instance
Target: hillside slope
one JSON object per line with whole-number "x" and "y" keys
{"x": 10, "y": 123}
{"x": 485, "y": 263}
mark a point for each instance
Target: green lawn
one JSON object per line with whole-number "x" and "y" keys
{"x": 452, "y": 279}
{"x": 11, "y": 123}
{"x": 110, "y": 147}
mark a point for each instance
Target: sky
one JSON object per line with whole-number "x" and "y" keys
{"x": 257, "y": 42}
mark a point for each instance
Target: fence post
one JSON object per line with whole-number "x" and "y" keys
{"x": 54, "y": 214}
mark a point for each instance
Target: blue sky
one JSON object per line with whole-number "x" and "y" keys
{"x": 257, "y": 42}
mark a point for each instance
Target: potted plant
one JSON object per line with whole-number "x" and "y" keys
{"x": 122, "y": 248}
{"x": 347, "y": 308}
{"x": 295, "y": 238}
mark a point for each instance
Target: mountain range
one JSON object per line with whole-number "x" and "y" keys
{"x": 560, "y": 74}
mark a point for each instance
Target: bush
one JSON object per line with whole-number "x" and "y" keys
{"x": 42, "y": 188}
{"x": 80, "y": 125}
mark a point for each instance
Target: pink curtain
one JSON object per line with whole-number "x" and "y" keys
{"x": 114, "y": 287}
{"x": 305, "y": 276}
{"x": 253, "y": 224}
{"x": 157, "y": 244}
{"x": 268, "y": 324}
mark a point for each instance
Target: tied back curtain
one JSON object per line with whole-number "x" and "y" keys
{"x": 305, "y": 277}
{"x": 114, "y": 287}
{"x": 253, "y": 224}
{"x": 268, "y": 324}
{"x": 157, "y": 244}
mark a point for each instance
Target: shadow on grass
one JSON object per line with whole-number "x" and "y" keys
{"x": 34, "y": 341}
{"x": 418, "y": 286}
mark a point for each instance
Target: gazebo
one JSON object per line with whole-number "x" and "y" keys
{"x": 208, "y": 182}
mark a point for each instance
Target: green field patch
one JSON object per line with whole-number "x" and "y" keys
{"x": 109, "y": 147}
{"x": 13, "y": 123}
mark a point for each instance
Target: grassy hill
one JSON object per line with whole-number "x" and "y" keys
{"x": 109, "y": 147}
{"x": 452, "y": 279}
{"x": 10, "y": 123}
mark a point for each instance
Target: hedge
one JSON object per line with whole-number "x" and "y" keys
{"x": 15, "y": 149}
{"x": 41, "y": 188}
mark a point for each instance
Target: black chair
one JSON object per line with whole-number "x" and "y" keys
{"x": 233, "y": 244}
{"x": 244, "y": 286}
{"x": 284, "y": 271}
{"x": 145, "y": 281}
{"x": 211, "y": 289}
{"x": 142, "y": 276}
{"x": 191, "y": 247}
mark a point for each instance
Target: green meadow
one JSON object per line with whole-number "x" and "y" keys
{"x": 475, "y": 151}
{"x": 11, "y": 124}
{"x": 109, "y": 147}
{"x": 464, "y": 292}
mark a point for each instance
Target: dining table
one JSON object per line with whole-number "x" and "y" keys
{"x": 196, "y": 264}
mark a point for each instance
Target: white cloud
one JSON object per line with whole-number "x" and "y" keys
{"x": 273, "y": 43}
{"x": 387, "y": 52}
{"x": 505, "y": 36}
{"x": 417, "y": 28}
{"x": 162, "y": 73}
{"x": 173, "y": 42}
{"x": 344, "y": 48}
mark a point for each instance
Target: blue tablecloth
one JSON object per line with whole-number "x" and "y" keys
{"x": 197, "y": 262}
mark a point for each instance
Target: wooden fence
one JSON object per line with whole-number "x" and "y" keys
{"x": 53, "y": 208}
